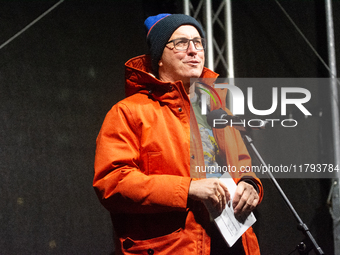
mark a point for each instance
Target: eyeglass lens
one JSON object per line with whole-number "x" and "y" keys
{"x": 183, "y": 43}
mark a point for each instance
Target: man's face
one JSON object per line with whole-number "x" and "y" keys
{"x": 177, "y": 65}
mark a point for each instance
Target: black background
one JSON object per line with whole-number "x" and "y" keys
{"x": 60, "y": 77}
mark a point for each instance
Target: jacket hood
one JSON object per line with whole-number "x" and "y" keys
{"x": 138, "y": 76}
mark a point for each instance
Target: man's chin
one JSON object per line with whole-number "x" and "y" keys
{"x": 194, "y": 73}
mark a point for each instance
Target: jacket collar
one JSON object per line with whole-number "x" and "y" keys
{"x": 139, "y": 77}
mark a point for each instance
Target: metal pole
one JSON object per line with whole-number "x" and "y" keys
{"x": 335, "y": 124}
{"x": 229, "y": 39}
{"x": 186, "y": 7}
{"x": 209, "y": 30}
{"x": 229, "y": 51}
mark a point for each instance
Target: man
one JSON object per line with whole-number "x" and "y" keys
{"x": 148, "y": 142}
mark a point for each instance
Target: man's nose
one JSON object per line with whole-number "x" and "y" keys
{"x": 192, "y": 49}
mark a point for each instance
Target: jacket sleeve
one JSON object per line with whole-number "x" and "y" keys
{"x": 118, "y": 180}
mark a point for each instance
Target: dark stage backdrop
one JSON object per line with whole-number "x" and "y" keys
{"x": 59, "y": 79}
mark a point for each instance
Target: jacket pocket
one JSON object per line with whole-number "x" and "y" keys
{"x": 167, "y": 244}
{"x": 155, "y": 161}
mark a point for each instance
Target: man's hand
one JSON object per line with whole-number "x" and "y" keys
{"x": 212, "y": 192}
{"x": 245, "y": 198}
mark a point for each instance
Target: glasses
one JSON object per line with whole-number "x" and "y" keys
{"x": 182, "y": 44}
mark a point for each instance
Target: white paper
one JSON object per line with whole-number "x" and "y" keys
{"x": 230, "y": 228}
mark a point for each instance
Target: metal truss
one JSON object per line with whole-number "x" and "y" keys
{"x": 215, "y": 16}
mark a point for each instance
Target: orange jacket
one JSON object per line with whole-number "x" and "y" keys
{"x": 142, "y": 168}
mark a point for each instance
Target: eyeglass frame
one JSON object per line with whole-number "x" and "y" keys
{"x": 203, "y": 40}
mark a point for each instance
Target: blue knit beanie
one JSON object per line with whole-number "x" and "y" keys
{"x": 159, "y": 30}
